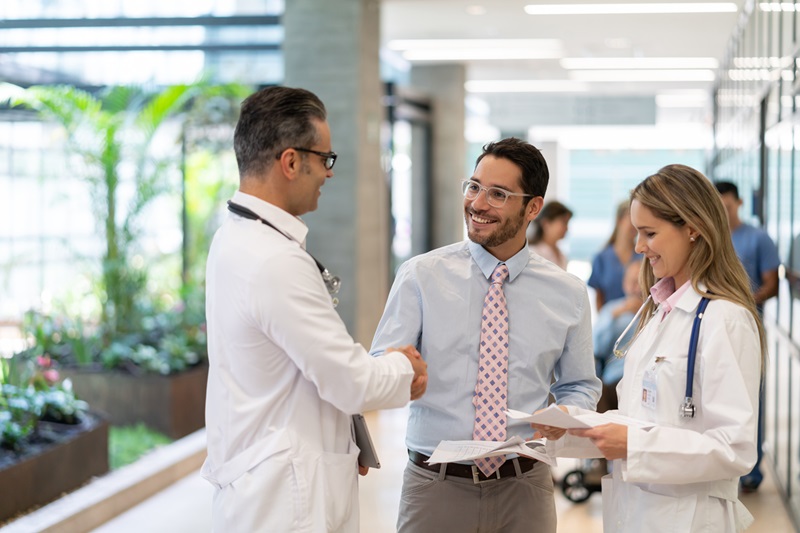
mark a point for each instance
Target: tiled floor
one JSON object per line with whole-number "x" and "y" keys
{"x": 184, "y": 507}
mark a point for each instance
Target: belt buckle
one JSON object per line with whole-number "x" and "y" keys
{"x": 476, "y": 476}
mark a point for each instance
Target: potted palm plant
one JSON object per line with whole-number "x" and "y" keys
{"x": 142, "y": 358}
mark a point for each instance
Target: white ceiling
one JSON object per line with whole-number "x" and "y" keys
{"x": 695, "y": 35}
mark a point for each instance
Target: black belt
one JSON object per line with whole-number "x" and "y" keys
{"x": 471, "y": 471}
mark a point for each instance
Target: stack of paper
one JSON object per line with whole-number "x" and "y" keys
{"x": 453, "y": 451}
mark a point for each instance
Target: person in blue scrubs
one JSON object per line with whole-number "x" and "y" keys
{"x": 761, "y": 261}
{"x": 608, "y": 266}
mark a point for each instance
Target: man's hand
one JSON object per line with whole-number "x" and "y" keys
{"x": 363, "y": 470}
{"x": 420, "y": 382}
{"x": 611, "y": 439}
{"x": 549, "y": 432}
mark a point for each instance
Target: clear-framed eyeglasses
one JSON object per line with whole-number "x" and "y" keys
{"x": 495, "y": 196}
{"x": 622, "y": 352}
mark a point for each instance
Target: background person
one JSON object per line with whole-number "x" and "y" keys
{"x": 608, "y": 266}
{"x": 284, "y": 374}
{"x": 609, "y": 324}
{"x": 761, "y": 261}
{"x": 495, "y": 323}
{"x": 682, "y": 474}
{"x": 549, "y": 227}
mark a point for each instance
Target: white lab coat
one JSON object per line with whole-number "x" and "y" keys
{"x": 284, "y": 378}
{"x": 682, "y": 475}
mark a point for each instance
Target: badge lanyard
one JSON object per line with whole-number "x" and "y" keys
{"x": 332, "y": 283}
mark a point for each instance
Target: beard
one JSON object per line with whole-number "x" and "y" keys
{"x": 508, "y": 229}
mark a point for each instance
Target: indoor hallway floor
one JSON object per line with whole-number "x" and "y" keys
{"x": 185, "y": 506}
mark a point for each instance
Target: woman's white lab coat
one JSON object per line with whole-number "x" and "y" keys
{"x": 682, "y": 475}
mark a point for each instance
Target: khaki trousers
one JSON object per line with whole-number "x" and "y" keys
{"x": 431, "y": 502}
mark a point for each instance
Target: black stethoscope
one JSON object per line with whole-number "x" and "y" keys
{"x": 332, "y": 283}
{"x": 687, "y": 409}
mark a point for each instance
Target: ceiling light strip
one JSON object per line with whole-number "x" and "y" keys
{"x": 632, "y": 9}
{"x": 593, "y": 63}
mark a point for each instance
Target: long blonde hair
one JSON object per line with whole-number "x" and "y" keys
{"x": 683, "y": 196}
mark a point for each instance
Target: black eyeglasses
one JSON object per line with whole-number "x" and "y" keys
{"x": 330, "y": 157}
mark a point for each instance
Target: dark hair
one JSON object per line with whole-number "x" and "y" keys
{"x": 527, "y": 157}
{"x": 727, "y": 187}
{"x": 551, "y": 211}
{"x": 272, "y": 120}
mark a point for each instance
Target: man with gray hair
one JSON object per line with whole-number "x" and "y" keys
{"x": 284, "y": 374}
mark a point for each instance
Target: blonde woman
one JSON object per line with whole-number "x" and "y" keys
{"x": 682, "y": 474}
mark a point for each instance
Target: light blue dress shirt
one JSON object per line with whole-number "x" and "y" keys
{"x": 436, "y": 304}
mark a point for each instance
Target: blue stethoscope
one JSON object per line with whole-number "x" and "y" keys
{"x": 687, "y": 409}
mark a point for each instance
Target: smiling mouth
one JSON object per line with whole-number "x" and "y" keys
{"x": 479, "y": 219}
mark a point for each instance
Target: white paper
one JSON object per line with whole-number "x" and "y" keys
{"x": 451, "y": 451}
{"x": 553, "y": 416}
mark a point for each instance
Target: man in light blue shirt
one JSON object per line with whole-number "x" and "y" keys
{"x": 436, "y": 304}
{"x": 760, "y": 259}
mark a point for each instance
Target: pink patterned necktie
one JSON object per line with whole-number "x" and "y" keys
{"x": 491, "y": 389}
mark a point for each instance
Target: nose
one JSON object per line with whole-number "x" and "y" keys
{"x": 480, "y": 203}
{"x": 638, "y": 247}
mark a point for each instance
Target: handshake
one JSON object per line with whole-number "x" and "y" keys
{"x": 420, "y": 381}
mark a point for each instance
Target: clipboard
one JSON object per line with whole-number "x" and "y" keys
{"x": 367, "y": 456}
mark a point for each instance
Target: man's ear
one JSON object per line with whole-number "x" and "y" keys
{"x": 290, "y": 163}
{"x": 534, "y": 206}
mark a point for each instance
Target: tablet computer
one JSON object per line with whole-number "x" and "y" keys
{"x": 367, "y": 456}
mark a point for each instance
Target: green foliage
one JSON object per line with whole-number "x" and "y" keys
{"x": 126, "y": 444}
{"x": 22, "y": 407}
{"x": 168, "y": 341}
{"x": 113, "y": 132}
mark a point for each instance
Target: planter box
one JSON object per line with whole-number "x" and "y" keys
{"x": 58, "y": 467}
{"x": 174, "y": 404}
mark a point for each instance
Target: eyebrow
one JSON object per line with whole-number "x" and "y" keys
{"x": 490, "y": 186}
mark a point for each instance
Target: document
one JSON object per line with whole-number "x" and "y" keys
{"x": 452, "y": 451}
{"x": 553, "y": 416}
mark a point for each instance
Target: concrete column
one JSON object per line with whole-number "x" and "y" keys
{"x": 445, "y": 85}
{"x": 331, "y": 48}
{"x": 558, "y": 167}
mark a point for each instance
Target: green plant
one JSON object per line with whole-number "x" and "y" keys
{"x": 23, "y": 406}
{"x": 127, "y": 443}
{"x": 113, "y": 132}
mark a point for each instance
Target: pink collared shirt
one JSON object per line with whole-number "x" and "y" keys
{"x": 664, "y": 292}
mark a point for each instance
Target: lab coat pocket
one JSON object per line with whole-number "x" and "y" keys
{"x": 331, "y": 484}
{"x": 658, "y": 513}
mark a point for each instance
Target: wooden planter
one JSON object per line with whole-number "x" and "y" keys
{"x": 173, "y": 405}
{"x": 60, "y": 467}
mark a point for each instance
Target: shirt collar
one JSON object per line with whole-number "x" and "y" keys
{"x": 291, "y": 225}
{"x": 487, "y": 262}
{"x": 665, "y": 294}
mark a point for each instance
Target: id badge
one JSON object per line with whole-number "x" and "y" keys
{"x": 650, "y": 385}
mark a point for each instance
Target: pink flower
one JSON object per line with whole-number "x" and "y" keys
{"x": 44, "y": 361}
{"x": 51, "y": 376}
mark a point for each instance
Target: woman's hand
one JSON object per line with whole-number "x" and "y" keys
{"x": 549, "y": 432}
{"x": 610, "y": 439}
